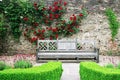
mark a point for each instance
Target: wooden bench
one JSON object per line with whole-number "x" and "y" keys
{"x": 66, "y": 50}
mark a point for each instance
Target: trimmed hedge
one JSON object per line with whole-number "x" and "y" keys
{"x": 93, "y": 71}
{"x": 48, "y": 71}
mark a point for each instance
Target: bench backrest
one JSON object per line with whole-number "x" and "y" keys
{"x": 66, "y": 45}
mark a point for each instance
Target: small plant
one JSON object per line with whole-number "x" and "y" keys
{"x": 7, "y": 66}
{"x": 22, "y": 64}
{"x": 118, "y": 66}
{"x": 109, "y": 66}
{"x": 113, "y": 22}
{"x": 110, "y": 53}
{"x": 2, "y": 65}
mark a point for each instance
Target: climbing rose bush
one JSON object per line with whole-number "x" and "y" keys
{"x": 47, "y": 22}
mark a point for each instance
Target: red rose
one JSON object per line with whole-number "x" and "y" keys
{"x": 35, "y": 4}
{"x": 33, "y": 39}
{"x": 51, "y": 19}
{"x": 60, "y": 1}
{"x": 77, "y": 26}
{"x": 42, "y": 38}
{"x": 54, "y": 30}
{"x": 60, "y": 8}
{"x": 56, "y": 16}
{"x": 43, "y": 30}
{"x": 65, "y": 3}
{"x": 71, "y": 30}
{"x": 34, "y": 32}
{"x": 26, "y": 29}
{"x": 36, "y": 24}
{"x": 24, "y": 34}
{"x": 73, "y": 23}
{"x": 39, "y": 30}
{"x": 47, "y": 28}
{"x": 73, "y": 15}
{"x": 44, "y": 8}
{"x": 51, "y": 38}
{"x": 25, "y": 19}
{"x": 56, "y": 8}
{"x": 74, "y": 18}
{"x": 41, "y": 35}
{"x": 71, "y": 18}
{"x": 50, "y": 7}
{"x": 56, "y": 36}
{"x": 50, "y": 28}
{"x": 46, "y": 16}
{"x": 81, "y": 15}
{"x": 53, "y": 10}
{"x": 50, "y": 15}
{"x": 55, "y": 3}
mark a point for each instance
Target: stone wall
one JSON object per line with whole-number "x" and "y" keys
{"x": 94, "y": 27}
{"x": 96, "y": 6}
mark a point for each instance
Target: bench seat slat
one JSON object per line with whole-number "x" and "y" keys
{"x": 66, "y": 55}
{"x": 77, "y": 54}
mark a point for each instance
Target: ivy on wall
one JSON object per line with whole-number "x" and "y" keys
{"x": 3, "y": 29}
{"x": 11, "y": 11}
{"x": 113, "y": 22}
{"x": 3, "y": 33}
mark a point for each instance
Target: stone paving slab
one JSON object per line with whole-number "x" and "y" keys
{"x": 70, "y": 71}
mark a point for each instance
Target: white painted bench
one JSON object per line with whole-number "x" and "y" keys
{"x": 66, "y": 50}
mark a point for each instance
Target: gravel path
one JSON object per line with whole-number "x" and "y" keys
{"x": 71, "y": 71}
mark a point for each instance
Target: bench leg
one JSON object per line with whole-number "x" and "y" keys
{"x": 57, "y": 59}
{"x": 77, "y": 59}
{"x": 97, "y": 55}
{"x": 36, "y": 59}
{"x": 36, "y": 56}
{"x": 97, "y": 60}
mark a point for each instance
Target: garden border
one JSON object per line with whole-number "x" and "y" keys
{"x": 93, "y": 71}
{"x": 48, "y": 71}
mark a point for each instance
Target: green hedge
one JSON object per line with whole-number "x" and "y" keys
{"x": 48, "y": 71}
{"x": 93, "y": 71}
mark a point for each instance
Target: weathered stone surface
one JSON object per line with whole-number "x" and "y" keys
{"x": 94, "y": 27}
